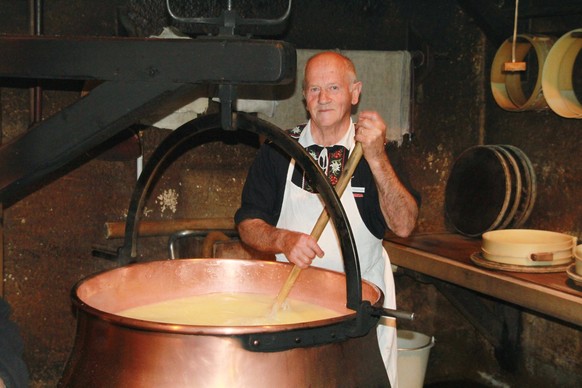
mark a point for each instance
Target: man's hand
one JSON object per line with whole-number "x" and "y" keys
{"x": 371, "y": 132}
{"x": 299, "y": 248}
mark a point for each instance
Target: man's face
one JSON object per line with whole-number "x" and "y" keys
{"x": 330, "y": 92}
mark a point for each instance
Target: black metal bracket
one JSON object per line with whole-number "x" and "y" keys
{"x": 302, "y": 338}
{"x": 227, "y": 95}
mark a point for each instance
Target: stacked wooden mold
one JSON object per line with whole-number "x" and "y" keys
{"x": 490, "y": 187}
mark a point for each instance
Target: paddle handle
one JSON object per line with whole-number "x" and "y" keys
{"x": 322, "y": 221}
{"x": 340, "y": 187}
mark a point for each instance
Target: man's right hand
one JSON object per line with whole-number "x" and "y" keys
{"x": 299, "y": 248}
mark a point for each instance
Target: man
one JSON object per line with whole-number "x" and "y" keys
{"x": 279, "y": 209}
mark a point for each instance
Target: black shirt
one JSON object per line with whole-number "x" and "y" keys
{"x": 262, "y": 195}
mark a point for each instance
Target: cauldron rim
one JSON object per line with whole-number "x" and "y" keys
{"x": 82, "y": 302}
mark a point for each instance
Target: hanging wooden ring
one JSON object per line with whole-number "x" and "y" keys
{"x": 558, "y": 74}
{"x": 506, "y": 86}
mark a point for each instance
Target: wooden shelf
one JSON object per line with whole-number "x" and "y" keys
{"x": 446, "y": 257}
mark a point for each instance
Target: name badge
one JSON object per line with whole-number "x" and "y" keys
{"x": 358, "y": 191}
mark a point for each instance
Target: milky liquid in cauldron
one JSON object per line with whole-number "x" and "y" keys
{"x": 229, "y": 309}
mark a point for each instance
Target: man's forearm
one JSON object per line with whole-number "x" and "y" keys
{"x": 260, "y": 235}
{"x": 398, "y": 205}
{"x": 298, "y": 248}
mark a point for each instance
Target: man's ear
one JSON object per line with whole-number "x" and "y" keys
{"x": 356, "y": 90}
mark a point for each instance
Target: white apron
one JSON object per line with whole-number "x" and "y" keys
{"x": 299, "y": 212}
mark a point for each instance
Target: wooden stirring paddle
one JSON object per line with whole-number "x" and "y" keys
{"x": 340, "y": 187}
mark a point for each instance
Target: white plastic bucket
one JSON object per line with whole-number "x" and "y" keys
{"x": 413, "y": 352}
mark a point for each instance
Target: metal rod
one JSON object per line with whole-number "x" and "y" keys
{"x": 398, "y": 314}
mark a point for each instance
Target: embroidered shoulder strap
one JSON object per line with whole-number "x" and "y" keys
{"x": 296, "y": 132}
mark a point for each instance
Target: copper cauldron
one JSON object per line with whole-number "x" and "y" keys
{"x": 114, "y": 351}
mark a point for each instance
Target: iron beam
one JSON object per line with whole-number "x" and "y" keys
{"x": 210, "y": 60}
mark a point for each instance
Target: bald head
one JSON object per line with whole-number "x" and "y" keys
{"x": 331, "y": 59}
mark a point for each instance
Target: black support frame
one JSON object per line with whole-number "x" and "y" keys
{"x": 137, "y": 75}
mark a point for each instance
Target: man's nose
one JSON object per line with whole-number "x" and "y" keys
{"x": 323, "y": 97}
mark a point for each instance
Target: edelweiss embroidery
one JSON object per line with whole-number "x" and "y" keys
{"x": 333, "y": 162}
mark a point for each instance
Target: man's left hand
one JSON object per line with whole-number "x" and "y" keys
{"x": 371, "y": 132}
